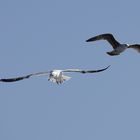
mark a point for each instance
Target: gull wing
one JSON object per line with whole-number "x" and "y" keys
{"x": 135, "y": 46}
{"x": 108, "y": 37}
{"x": 22, "y": 77}
{"x": 85, "y": 71}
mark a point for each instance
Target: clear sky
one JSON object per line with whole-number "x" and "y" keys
{"x": 40, "y": 35}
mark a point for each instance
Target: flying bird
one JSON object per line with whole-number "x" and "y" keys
{"x": 117, "y": 47}
{"x": 55, "y": 76}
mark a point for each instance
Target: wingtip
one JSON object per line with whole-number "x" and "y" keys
{"x": 89, "y": 40}
{"x": 108, "y": 66}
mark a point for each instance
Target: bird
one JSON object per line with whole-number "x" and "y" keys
{"x": 117, "y": 47}
{"x": 55, "y": 76}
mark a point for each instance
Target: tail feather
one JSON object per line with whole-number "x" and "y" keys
{"x": 66, "y": 78}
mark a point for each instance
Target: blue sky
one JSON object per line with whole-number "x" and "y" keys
{"x": 40, "y": 35}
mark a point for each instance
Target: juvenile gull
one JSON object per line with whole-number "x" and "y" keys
{"x": 117, "y": 47}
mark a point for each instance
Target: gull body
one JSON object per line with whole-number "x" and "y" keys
{"x": 57, "y": 76}
{"x": 117, "y": 47}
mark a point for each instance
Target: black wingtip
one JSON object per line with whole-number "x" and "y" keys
{"x": 107, "y": 67}
{"x": 89, "y": 40}
{"x": 104, "y": 69}
{"x": 14, "y": 79}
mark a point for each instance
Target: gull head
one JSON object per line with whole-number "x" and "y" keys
{"x": 57, "y": 76}
{"x": 123, "y": 46}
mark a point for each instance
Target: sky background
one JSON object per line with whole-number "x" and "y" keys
{"x": 41, "y": 35}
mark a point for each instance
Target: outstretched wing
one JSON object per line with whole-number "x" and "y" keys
{"x": 22, "y": 77}
{"x": 108, "y": 37}
{"x": 135, "y": 46}
{"x": 85, "y": 71}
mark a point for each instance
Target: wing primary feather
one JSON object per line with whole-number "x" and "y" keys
{"x": 85, "y": 71}
{"x": 94, "y": 71}
{"x": 108, "y": 37}
{"x": 22, "y": 77}
{"x": 135, "y": 46}
{"x": 14, "y": 79}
